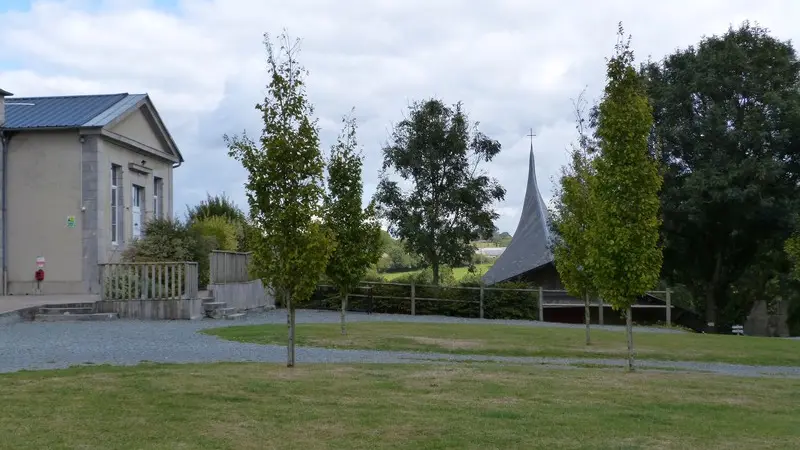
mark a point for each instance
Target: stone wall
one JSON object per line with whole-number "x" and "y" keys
{"x": 243, "y": 296}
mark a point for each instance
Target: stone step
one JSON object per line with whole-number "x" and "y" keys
{"x": 75, "y": 317}
{"x": 235, "y": 316}
{"x": 67, "y": 310}
{"x": 209, "y": 306}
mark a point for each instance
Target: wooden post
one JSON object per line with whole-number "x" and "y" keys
{"x": 669, "y": 308}
{"x": 481, "y": 312}
{"x": 600, "y": 309}
{"x": 413, "y": 300}
{"x": 541, "y": 304}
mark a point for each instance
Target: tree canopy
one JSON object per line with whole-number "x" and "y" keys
{"x": 624, "y": 255}
{"x": 450, "y": 202}
{"x": 727, "y": 128}
{"x": 358, "y": 233}
{"x": 284, "y": 186}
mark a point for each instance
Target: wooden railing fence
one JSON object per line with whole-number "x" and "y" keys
{"x": 149, "y": 280}
{"x": 229, "y": 267}
{"x": 481, "y": 296}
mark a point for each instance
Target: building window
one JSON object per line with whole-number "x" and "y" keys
{"x": 137, "y": 195}
{"x": 116, "y": 171}
{"x": 157, "y": 186}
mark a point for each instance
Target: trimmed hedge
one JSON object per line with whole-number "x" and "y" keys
{"x": 502, "y": 301}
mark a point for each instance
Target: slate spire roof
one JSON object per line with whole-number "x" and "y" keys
{"x": 530, "y": 246}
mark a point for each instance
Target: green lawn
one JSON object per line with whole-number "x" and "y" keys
{"x": 458, "y": 272}
{"x": 507, "y": 340}
{"x": 481, "y": 406}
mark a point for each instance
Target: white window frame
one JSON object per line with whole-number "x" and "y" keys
{"x": 157, "y": 183}
{"x": 138, "y": 194}
{"x": 115, "y": 169}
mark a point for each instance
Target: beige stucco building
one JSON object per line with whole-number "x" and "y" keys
{"x": 81, "y": 175}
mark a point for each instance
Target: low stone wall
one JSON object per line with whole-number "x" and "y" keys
{"x": 243, "y": 296}
{"x": 172, "y": 309}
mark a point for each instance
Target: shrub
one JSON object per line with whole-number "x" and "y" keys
{"x": 172, "y": 240}
{"x": 226, "y": 233}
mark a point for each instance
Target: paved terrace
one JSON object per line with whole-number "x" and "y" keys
{"x": 33, "y": 345}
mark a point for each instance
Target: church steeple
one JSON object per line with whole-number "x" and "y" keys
{"x": 530, "y": 245}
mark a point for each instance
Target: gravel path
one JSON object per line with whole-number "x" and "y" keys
{"x": 58, "y": 345}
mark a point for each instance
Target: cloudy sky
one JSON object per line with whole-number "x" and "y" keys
{"x": 515, "y": 64}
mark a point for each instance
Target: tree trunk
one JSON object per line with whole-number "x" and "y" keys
{"x": 435, "y": 268}
{"x": 629, "y": 334}
{"x": 290, "y": 320}
{"x": 711, "y": 295}
{"x": 587, "y": 316}
{"x": 343, "y": 312}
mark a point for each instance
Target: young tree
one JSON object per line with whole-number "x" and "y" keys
{"x": 358, "y": 234}
{"x": 285, "y": 186}
{"x": 450, "y": 203}
{"x": 572, "y": 217}
{"x": 624, "y": 255}
{"x": 727, "y": 124}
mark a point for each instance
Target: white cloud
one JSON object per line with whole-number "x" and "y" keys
{"x": 515, "y": 64}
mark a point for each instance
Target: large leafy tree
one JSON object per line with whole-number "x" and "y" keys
{"x": 358, "y": 234}
{"x": 624, "y": 255}
{"x": 727, "y": 127}
{"x": 572, "y": 216}
{"x": 285, "y": 186}
{"x": 219, "y": 213}
{"x": 450, "y": 201}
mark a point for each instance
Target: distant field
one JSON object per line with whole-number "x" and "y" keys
{"x": 458, "y": 272}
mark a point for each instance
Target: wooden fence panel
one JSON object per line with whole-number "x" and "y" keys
{"x": 149, "y": 281}
{"x": 229, "y": 267}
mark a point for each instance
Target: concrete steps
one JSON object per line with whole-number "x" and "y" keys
{"x": 220, "y": 310}
{"x": 71, "y": 313}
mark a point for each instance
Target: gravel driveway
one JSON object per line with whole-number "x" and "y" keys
{"x": 124, "y": 342}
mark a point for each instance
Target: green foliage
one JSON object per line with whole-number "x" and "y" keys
{"x": 215, "y": 206}
{"x": 727, "y": 123}
{"x": 395, "y": 257}
{"x": 226, "y": 233}
{"x": 573, "y": 214}
{"x": 624, "y": 256}
{"x": 174, "y": 241}
{"x": 284, "y": 185}
{"x": 450, "y": 204}
{"x": 358, "y": 233}
{"x": 221, "y": 206}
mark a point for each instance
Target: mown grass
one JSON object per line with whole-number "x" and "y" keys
{"x": 518, "y": 340}
{"x": 458, "y": 273}
{"x": 479, "y": 406}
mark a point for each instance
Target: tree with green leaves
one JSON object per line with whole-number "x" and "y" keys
{"x": 285, "y": 186}
{"x": 572, "y": 216}
{"x": 358, "y": 233}
{"x": 726, "y": 126}
{"x": 450, "y": 202}
{"x": 220, "y": 206}
{"x": 624, "y": 253}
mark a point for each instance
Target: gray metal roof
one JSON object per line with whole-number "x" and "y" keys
{"x": 5, "y": 93}
{"x": 67, "y": 111}
{"x": 530, "y": 245}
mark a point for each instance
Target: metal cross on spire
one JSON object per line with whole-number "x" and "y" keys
{"x": 531, "y": 136}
